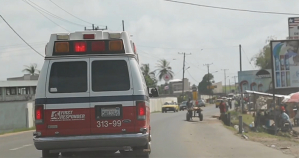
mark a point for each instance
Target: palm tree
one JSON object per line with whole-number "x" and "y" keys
{"x": 149, "y": 76}
{"x": 164, "y": 68}
{"x": 146, "y": 71}
{"x": 31, "y": 69}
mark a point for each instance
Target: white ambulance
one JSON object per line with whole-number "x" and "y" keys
{"x": 91, "y": 96}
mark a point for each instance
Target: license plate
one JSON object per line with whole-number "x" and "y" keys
{"x": 110, "y": 112}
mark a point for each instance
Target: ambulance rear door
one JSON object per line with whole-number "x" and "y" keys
{"x": 67, "y": 109}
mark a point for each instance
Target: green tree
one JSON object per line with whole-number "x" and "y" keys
{"x": 203, "y": 85}
{"x": 164, "y": 68}
{"x": 263, "y": 58}
{"x": 32, "y": 69}
{"x": 149, "y": 76}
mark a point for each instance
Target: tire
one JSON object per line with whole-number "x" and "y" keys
{"x": 187, "y": 116}
{"x": 137, "y": 152}
{"x": 200, "y": 116}
{"x": 47, "y": 154}
{"x": 66, "y": 154}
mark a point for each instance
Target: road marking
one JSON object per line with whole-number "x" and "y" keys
{"x": 21, "y": 147}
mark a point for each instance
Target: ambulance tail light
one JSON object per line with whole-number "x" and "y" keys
{"x": 62, "y": 47}
{"x": 80, "y": 47}
{"x": 116, "y": 45}
{"x": 39, "y": 114}
{"x": 141, "y": 110}
{"x": 98, "y": 46}
{"x": 88, "y": 36}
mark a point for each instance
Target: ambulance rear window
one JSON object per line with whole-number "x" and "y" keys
{"x": 110, "y": 75}
{"x": 68, "y": 77}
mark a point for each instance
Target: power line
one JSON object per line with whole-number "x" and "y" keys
{"x": 20, "y": 45}
{"x": 18, "y": 50}
{"x": 53, "y": 15}
{"x": 45, "y": 16}
{"x": 186, "y": 48}
{"x": 247, "y": 57}
{"x": 71, "y": 13}
{"x": 192, "y": 76}
{"x": 232, "y": 9}
{"x": 20, "y": 36}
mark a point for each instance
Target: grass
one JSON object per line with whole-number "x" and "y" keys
{"x": 18, "y": 130}
{"x": 156, "y": 112}
{"x": 247, "y": 118}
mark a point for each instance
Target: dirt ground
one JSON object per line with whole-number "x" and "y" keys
{"x": 287, "y": 146}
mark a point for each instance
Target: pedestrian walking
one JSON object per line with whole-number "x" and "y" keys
{"x": 222, "y": 108}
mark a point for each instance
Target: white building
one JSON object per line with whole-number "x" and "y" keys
{"x": 18, "y": 88}
{"x": 218, "y": 88}
{"x": 176, "y": 85}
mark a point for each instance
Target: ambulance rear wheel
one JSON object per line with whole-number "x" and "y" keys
{"x": 47, "y": 154}
{"x": 66, "y": 154}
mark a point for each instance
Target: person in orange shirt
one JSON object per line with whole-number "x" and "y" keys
{"x": 222, "y": 108}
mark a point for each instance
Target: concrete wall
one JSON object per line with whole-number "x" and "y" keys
{"x": 156, "y": 103}
{"x": 16, "y": 115}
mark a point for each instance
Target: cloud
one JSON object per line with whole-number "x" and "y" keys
{"x": 160, "y": 30}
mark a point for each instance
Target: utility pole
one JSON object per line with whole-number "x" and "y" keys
{"x": 229, "y": 85}
{"x": 123, "y": 25}
{"x": 235, "y": 83}
{"x": 183, "y": 71}
{"x": 208, "y": 66}
{"x": 225, "y": 79}
{"x": 240, "y": 51}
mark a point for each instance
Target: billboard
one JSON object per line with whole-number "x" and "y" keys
{"x": 285, "y": 63}
{"x": 255, "y": 80}
{"x": 293, "y": 23}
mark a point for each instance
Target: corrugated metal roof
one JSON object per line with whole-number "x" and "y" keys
{"x": 267, "y": 94}
{"x": 176, "y": 80}
{"x": 18, "y": 83}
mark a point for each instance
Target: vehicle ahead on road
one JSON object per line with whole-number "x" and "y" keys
{"x": 217, "y": 103}
{"x": 183, "y": 105}
{"x": 170, "y": 106}
{"x": 231, "y": 96}
{"x": 201, "y": 103}
{"x": 92, "y": 96}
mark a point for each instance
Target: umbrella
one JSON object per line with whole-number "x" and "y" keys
{"x": 294, "y": 98}
{"x": 285, "y": 99}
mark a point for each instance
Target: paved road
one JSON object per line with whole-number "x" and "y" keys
{"x": 173, "y": 137}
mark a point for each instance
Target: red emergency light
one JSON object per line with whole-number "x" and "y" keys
{"x": 80, "y": 47}
{"x": 98, "y": 46}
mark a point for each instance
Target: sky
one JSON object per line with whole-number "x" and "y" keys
{"x": 160, "y": 30}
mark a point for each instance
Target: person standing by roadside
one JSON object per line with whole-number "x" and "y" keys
{"x": 222, "y": 108}
{"x": 230, "y": 103}
{"x": 285, "y": 116}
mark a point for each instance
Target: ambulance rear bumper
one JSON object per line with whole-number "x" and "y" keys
{"x": 99, "y": 142}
